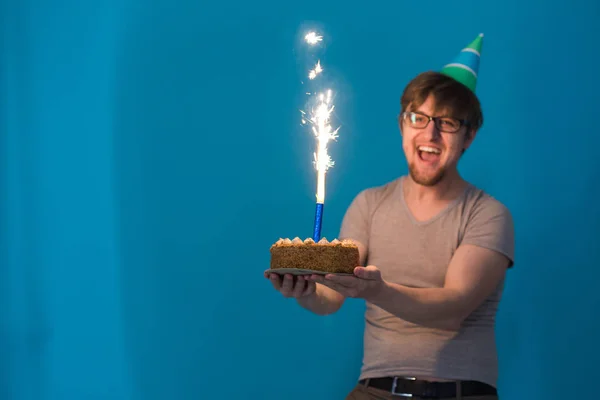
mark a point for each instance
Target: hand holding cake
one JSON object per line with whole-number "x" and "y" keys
{"x": 290, "y": 286}
{"x": 365, "y": 282}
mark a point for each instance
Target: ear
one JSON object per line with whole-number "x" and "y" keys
{"x": 469, "y": 137}
{"x": 399, "y": 119}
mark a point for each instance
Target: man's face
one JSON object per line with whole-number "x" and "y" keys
{"x": 430, "y": 152}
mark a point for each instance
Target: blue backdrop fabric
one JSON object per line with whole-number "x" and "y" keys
{"x": 152, "y": 152}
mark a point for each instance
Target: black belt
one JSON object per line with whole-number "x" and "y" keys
{"x": 408, "y": 387}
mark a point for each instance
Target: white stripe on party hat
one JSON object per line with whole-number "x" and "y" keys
{"x": 465, "y": 67}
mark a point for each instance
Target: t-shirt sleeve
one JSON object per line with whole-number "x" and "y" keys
{"x": 491, "y": 226}
{"x": 356, "y": 221}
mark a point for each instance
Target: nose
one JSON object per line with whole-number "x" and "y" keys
{"x": 431, "y": 132}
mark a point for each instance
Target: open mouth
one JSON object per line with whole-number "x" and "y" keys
{"x": 428, "y": 153}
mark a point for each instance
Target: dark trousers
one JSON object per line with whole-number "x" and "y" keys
{"x": 365, "y": 392}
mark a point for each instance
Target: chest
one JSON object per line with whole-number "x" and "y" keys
{"x": 413, "y": 253}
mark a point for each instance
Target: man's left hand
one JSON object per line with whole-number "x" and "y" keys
{"x": 365, "y": 282}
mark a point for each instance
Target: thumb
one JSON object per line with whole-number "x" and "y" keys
{"x": 370, "y": 272}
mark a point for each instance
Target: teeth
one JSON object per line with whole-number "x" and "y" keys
{"x": 429, "y": 149}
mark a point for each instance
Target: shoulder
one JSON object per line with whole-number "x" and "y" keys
{"x": 481, "y": 205}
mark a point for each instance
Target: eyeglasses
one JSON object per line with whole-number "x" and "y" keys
{"x": 444, "y": 124}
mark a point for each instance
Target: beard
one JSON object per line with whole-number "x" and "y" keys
{"x": 426, "y": 180}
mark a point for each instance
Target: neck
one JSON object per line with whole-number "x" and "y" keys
{"x": 447, "y": 189}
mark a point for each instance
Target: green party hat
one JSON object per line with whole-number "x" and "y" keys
{"x": 465, "y": 66}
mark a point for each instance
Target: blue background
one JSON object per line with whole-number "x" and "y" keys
{"x": 151, "y": 153}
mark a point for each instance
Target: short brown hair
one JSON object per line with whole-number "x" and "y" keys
{"x": 450, "y": 96}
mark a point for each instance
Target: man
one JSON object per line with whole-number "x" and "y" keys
{"x": 435, "y": 250}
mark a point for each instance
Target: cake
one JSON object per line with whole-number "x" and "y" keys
{"x": 298, "y": 256}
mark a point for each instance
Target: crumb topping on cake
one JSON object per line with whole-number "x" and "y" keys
{"x": 337, "y": 256}
{"x": 309, "y": 241}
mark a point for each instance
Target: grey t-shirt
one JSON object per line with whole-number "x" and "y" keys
{"x": 417, "y": 254}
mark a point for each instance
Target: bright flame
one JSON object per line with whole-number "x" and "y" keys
{"x": 323, "y": 133}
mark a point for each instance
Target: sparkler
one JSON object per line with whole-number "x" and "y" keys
{"x": 319, "y": 117}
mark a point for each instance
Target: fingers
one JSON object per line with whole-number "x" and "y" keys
{"x": 287, "y": 287}
{"x": 348, "y": 281}
{"x": 298, "y": 287}
{"x": 311, "y": 287}
{"x": 290, "y": 286}
{"x": 275, "y": 281}
{"x": 370, "y": 272}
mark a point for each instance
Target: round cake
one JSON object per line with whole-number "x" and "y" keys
{"x": 303, "y": 257}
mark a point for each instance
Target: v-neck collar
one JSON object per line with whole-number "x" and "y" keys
{"x": 440, "y": 214}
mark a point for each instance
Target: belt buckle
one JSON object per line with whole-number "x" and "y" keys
{"x": 395, "y": 384}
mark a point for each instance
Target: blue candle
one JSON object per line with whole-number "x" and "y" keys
{"x": 318, "y": 222}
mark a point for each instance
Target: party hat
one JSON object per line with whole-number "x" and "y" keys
{"x": 465, "y": 66}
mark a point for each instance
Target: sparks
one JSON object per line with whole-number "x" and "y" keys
{"x": 316, "y": 71}
{"x": 312, "y": 38}
{"x": 319, "y": 117}
{"x": 320, "y": 108}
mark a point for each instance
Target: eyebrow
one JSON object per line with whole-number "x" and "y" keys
{"x": 435, "y": 116}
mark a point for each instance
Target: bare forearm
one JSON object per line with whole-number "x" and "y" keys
{"x": 433, "y": 307}
{"x": 323, "y": 302}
